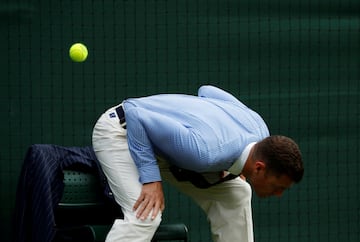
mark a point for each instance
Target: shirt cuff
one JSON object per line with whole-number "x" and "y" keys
{"x": 149, "y": 174}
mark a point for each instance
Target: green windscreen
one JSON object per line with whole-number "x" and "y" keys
{"x": 294, "y": 62}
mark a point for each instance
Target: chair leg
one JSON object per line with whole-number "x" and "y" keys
{"x": 75, "y": 234}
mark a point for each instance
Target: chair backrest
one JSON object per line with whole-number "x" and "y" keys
{"x": 84, "y": 202}
{"x": 81, "y": 189}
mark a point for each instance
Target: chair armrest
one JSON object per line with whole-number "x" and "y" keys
{"x": 171, "y": 232}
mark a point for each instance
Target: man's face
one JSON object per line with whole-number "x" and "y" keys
{"x": 266, "y": 184}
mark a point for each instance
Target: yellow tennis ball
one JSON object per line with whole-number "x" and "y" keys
{"x": 78, "y": 52}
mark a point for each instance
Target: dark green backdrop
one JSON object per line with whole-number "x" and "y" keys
{"x": 296, "y": 62}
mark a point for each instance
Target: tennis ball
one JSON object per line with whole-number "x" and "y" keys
{"x": 78, "y": 52}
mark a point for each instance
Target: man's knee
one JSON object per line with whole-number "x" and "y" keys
{"x": 247, "y": 190}
{"x": 133, "y": 229}
{"x": 150, "y": 224}
{"x": 240, "y": 191}
{"x": 155, "y": 223}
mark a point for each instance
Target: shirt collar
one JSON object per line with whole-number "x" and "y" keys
{"x": 239, "y": 163}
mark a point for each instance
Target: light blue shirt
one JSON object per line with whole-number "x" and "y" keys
{"x": 203, "y": 133}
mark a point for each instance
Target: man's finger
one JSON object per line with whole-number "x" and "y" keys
{"x": 155, "y": 211}
{"x": 145, "y": 209}
{"x": 138, "y": 202}
{"x": 141, "y": 211}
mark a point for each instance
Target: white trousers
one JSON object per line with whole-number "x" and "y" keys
{"x": 227, "y": 205}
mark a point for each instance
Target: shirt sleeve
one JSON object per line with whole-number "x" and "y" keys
{"x": 208, "y": 91}
{"x": 148, "y": 131}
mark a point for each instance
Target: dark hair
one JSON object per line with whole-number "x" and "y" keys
{"x": 281, "y": 155}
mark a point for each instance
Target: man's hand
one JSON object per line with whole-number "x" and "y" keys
{"x": 151, "y": 199}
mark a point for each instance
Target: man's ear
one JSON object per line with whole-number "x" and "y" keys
{"x": 259, "y": 166}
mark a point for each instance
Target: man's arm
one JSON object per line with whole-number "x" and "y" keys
{"x": 148, "y": 129}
